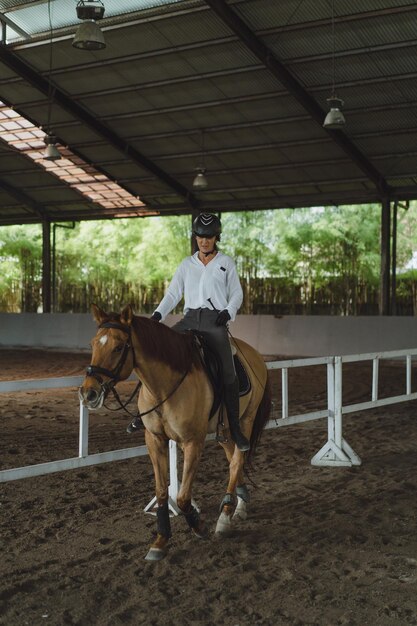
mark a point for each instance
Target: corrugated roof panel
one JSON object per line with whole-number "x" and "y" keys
{"x": 380, "y": 143}
{"x": 403, "y": 182}
{"x": 6, "y": 5}
{"x": 262, "y": 15}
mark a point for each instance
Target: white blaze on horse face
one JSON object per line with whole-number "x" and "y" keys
{"x": 103, "y": 340}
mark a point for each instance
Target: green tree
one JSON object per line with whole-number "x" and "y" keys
{"x": 21, "y": 267}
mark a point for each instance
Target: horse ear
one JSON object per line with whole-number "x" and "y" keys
{"x": 126, "y": 316}
{"x": 98, "y": 314}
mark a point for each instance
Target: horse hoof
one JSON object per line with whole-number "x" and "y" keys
{"x": 201, "y": 533}
{"x": 224, "y": 525}
{"x": 155, "y": 554}
{"x": 240, "y": 511}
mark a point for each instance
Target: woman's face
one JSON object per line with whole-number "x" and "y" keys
{"x": 206, "y": 244}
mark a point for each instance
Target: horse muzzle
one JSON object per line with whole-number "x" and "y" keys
{"x": 91, "y": 398}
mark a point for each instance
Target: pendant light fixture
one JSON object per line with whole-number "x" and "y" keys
{"x": 334, "y": 118}
{"x": 200, "y": 182}
{"x": 89, "y": 35}
{"x": 51, "y": 151}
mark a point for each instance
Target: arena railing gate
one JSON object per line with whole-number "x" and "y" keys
{"x": 335, "y": 452}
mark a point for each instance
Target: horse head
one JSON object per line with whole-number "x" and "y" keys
{"x": 112, "y": 357}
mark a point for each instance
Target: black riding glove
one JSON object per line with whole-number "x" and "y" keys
{"x": 156, "y": 316}
{"x": 222, "y": 318}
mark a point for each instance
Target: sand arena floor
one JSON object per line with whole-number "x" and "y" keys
{"x": 321, "y": 546}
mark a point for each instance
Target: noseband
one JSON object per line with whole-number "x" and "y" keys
{"x": 114, "y": 374}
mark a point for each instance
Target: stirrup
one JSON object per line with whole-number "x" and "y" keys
{"x": 134, "y": 426}
{"x": 220, "y": 437}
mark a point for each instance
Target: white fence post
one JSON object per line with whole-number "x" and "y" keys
{"x": 408, "y": 375}
{"x": 83, "y": 436}
{"x": 284, "y": 392}
{"x": 375, "y": 376}
{"x": 173, "y": 484}
{"x": 336, "y": 451}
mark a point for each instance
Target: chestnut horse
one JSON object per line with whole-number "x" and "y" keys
{"x": 175, "y": 402}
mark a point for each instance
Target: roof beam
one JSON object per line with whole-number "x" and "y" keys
{"x": 264, "y": 54}
{"x": 6, "y": 20}
{"x": 42, "y": 84}
{"x": 24, "y": 199}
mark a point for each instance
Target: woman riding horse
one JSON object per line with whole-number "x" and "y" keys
{"x": 209, "y": 282}
{"x": 176, "y": 396}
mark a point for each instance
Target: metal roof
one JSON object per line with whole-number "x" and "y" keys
{"x": 254, "y": 75}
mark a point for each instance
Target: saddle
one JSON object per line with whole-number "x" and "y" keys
{"x": 213, "y": 367}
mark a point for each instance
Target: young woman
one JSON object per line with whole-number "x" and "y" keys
{"x": 209, "y": 283}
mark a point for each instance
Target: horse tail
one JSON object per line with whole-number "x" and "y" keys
{"x": 261, "y": 418}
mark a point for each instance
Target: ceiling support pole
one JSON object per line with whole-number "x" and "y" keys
{"x": 384, "y": 286}
{"x": 394, "y": 259}
{"x": 194, "y": 214}
{"x": 46, "y": 266}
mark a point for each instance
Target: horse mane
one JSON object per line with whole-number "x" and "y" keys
{"x": 161, "y": 343}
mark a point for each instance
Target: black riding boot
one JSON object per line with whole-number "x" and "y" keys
{"x": 231, "y": 400}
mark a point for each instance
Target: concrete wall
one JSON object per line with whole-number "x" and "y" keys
{"x": 289, "y": 335}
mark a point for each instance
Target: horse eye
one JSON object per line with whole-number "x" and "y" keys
{"x": 118, "y": 349}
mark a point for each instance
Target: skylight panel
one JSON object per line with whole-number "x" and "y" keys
{"x": 28, "y": 139}
{"x": 32, "y": 18}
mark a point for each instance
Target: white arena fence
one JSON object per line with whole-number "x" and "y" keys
{"x": 335, "y": 452}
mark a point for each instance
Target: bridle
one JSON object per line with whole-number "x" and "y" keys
{"x": 95, "y": 371}
{"x": 114, "y": 374}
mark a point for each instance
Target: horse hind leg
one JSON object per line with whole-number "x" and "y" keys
{"x": 243, "y": 499}
{"x": 236, "y": 487}
{"x": 232, "y": 510}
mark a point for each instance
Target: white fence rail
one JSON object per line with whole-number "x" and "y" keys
{"x": 335, "y": 452}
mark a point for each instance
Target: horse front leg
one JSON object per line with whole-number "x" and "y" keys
{"x": 192, "y": 454}
{"x": 158, "y": 451}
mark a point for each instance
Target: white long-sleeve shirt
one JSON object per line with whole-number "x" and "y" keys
{"x": 218, "y": 280}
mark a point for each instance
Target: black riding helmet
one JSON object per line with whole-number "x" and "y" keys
{"x": 207, "y": 225}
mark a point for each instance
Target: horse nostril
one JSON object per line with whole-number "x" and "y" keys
{"x": 92, "y": 395}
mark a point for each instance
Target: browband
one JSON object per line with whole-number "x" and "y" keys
{"x": 122, "y": 327}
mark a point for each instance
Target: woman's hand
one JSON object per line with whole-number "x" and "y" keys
{"x": 222, "y": 318}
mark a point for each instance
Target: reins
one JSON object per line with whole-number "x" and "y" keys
{"x": 171, "y": 393}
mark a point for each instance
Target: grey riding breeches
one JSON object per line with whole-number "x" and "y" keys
{"x": 204, "y": 321}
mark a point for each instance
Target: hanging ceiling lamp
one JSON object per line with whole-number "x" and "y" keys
{"x": 89, "y": 35}
{"x": 334, "y": 118}
{"x": 51, "y": 151}
{"x": 200, "y": 182}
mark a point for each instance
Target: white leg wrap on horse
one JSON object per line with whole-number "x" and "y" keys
{"x": 241, "y": 509}
{"x": 224, "y": 524}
